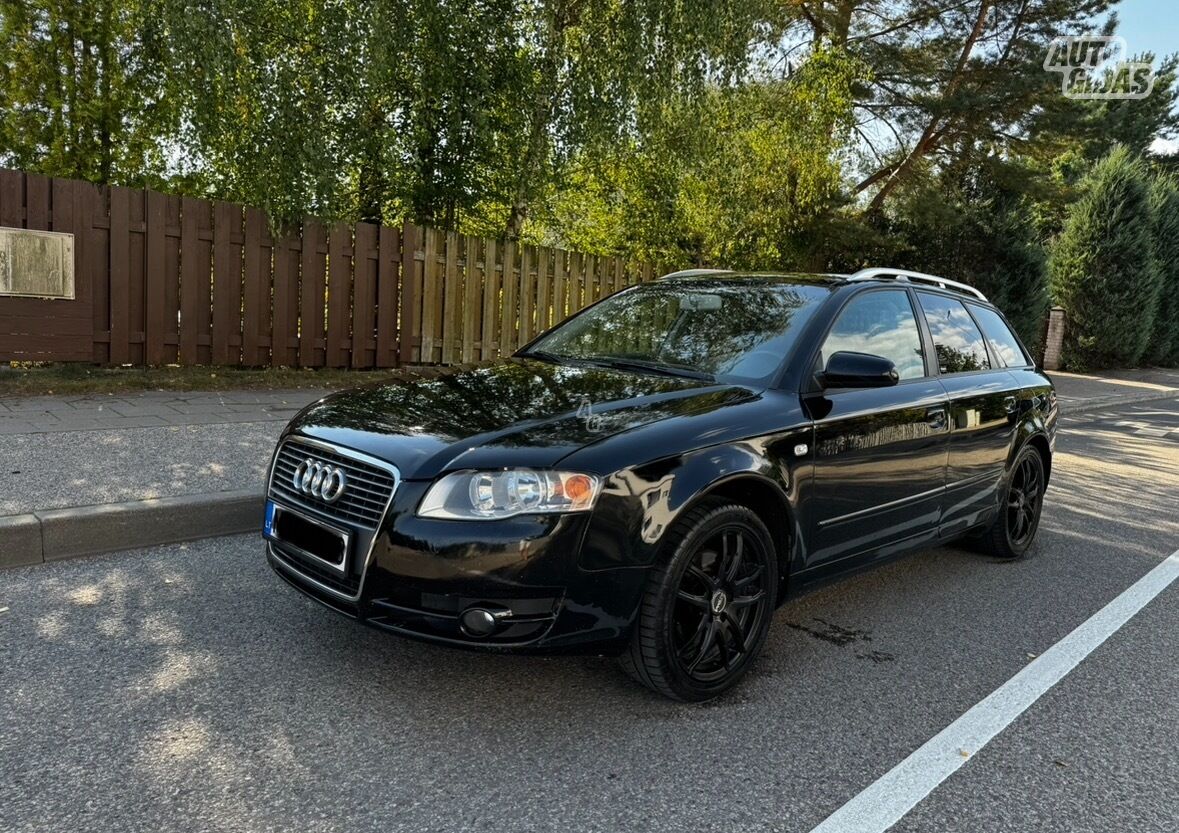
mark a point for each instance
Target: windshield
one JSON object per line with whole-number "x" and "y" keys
{"x": 731, "y": 331}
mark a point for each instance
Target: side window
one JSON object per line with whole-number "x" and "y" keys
{"x": 1003, "y": 342}
{"x": 880, "y": 323}
{"x": 956, "y": 339}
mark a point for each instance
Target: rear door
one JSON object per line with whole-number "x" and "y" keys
{"x": 982, "y": 397}
{"x": 880, "y": 453}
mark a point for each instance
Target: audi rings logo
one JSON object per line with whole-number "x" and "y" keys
{"x": 319, "y": 480}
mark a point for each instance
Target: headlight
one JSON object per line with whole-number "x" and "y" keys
{"x": 478, "y": 495}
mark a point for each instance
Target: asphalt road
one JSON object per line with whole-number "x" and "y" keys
{"x": 186, "y": 688}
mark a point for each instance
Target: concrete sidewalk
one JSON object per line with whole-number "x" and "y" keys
{"x": 99, "y": 473}
{"x": 88, "y": 474}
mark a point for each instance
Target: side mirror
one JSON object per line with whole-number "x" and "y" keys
{"x": 846, "y": 369}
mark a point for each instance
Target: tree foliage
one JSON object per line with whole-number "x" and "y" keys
{"x": 1163, "y": 347}
{"x": 83, "y": 89}
{"x": 1103, "y": 269}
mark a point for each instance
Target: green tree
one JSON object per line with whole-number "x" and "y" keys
{"x": 1103, "y": 270}
{"x": 1164, "y": 341}
{"x": 82, "y": 90}
{"x": 968, "y": 226}
{"x": 737, "y": 176}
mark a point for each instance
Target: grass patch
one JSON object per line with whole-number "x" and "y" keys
{"x": 78, "y": 379}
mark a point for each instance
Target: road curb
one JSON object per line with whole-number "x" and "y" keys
{"x": 56, "y": 534}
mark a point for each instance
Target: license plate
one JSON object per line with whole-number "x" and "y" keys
{"x": 268, "y": 523}
{"x": 308, "y": 536}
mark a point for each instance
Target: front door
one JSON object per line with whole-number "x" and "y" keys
{"x": 880, "y": 453}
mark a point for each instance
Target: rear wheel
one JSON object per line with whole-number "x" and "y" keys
{"x": 706, "y": 610}
{"x": 1011, "y": 533}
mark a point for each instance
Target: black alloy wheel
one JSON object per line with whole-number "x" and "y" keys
{"x": 1015, "y": 525}
{"x": 706, "y": 611}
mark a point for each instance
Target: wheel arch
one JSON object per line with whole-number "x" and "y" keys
{"x": 1040, "y": 443}
{"x": 766, "y": 500}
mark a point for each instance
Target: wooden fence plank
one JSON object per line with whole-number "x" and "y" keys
{"x": 544, "y": 283}
{"x": 37, "y": 202}
{"x": 429, "y": 295}
{"x": 12, "y": 199}
{"x": 311, "y": 296}
{"x": 451, "y": 346}
{"x": 256, "y": 283}
{"x": 560, "y": 282}
{"x": 409, "y": 327}
{"x": 364, "y": 296}
{"x": 509, "y": 315}
{"x": 527, "y": 294}
{"x": 488, "y": 342}
{"x": 339, "y": 296}
{"x": 388, "y": 295}
{"x": 137, "y": 278}
{"x": 155, "y": 277}
{"x": 227, "y": 284}
{"x": 284, "y": 329}
{"x": 472, "y": 300}
{"x": 192, "y": 273}
{"x": 172, "y": 286}
{"x": 120, "y": 276}
{"x": 204, "y": 245}
{"x": 577, "y": 293}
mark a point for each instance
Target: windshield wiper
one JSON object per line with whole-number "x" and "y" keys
{"x": 651, "y": 367}
{"x": 544, "y": 356}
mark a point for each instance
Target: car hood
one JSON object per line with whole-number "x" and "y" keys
{"x": 515, "y": 412}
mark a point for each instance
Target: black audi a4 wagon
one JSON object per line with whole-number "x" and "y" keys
{"x": 655, "y": 475}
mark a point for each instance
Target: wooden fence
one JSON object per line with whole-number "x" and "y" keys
{"x": 164, "y": 280}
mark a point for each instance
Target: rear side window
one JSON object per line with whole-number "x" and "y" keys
{"x": 1003, "y": 342}
{"x": 956, "y": 339}
{"x": 881, "y": 323}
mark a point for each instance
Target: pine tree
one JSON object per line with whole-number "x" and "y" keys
{"x": 1164, "y": 341}
{"x": 1103, "y": 269}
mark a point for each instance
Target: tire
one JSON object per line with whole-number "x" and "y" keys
{"x": 706, "y": 610}
{"x": 1011, "y": 533}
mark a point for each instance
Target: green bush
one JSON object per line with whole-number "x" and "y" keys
{"x": 1163, "y": 347}
{"x": 1102, "y": 269}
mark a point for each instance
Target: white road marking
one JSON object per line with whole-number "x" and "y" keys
{"x": 883, "y": 803}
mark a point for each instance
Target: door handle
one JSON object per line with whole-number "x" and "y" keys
{"x": 936, "y": 418}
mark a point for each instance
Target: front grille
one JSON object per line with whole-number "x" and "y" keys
{"x": 365, "y": 496}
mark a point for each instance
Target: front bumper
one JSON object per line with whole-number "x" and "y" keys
{"x": 420, "y": 575}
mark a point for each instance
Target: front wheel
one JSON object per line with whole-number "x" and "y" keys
{"x": 1011, "y": 533}
{"x": 706, "y": 610}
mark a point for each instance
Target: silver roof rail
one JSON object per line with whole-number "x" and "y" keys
{"x": 696, "y": 273}
{"x": 915, "y": 277}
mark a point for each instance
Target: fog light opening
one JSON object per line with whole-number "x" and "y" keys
{"x": 479, "y": 622}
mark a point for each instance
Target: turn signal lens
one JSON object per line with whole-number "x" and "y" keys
{"x": 480, "y": 495}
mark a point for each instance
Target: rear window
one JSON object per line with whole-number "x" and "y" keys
{"x": 1003, "y": 342}
{"x": 956, "y": 339}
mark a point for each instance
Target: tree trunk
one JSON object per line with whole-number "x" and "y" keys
{"x": 106, "y": 128}
{"x": 894, "y": 175}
